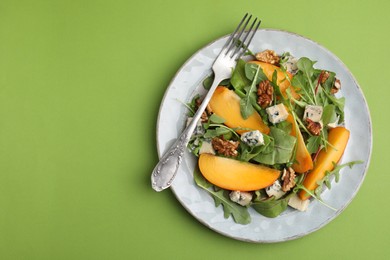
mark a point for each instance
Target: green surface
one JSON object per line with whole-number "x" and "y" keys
{"x": 80, "y": 87}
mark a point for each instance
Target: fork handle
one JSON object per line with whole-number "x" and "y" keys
{"x": 165, "y": 171}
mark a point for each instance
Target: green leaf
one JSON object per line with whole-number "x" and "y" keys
{"x": 305, "y": 65}
{"x": 301, "y": 83}
{"x": 239, "y": 80}
{"x": 248, "y": 152}
{"x": 222, "y": 131}
{"x": 313, "y": 142}
{"x": 269, "y": 207}
{"x": 299, "y": 186}
{"x": 208, "y": 81}
{"x": 285, "y": 126}
{"x": 254, "y": 72}
{"x": 337, "y": 168}
{"x": 192, "y": 105}
{"x": 211, "y": 133}
{"x": 239, "y": 213}
{"x": 304, "y": 77}
{"x": 280, "y": 149}
{"x": 322, "y": 99}
{"x": 336, "y": 173}
{"x": 194, "y": 145}
{"x": 246, "y": 107}
{"x": 215, "y": 130}
{"x": 214, "y": 118}
{"x": 284, "y": 145}
{"x": 329, "y": 114}
{"x": 329, "y": 82}
{"x": 339, "y": 103}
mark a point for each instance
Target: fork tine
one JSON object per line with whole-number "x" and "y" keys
{"x": 240, "y": 50}
{"x": 235, "y": 31}
{"x": 235, "y": 38}
{"x": 253, "y": 34}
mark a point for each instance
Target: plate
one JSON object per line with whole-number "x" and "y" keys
{"x": 291, "y": 224}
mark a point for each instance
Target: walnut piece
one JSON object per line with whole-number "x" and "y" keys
{"x": 324, "y": 76}
{"x": 265, "y": 93}
{"x": 313, "y": 127}
{"x": 288, "y": 178}
{"x": 336, "y": 86}
{"x": 205, "y": 115}
{"x": 268, "y": 56}
{"x": 225, "y": 147}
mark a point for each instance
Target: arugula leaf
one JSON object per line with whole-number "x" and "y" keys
{"x": 214, "y": 118}
{"x": 300, "y": 186}
{"x": 268, "y": 206}
{"x": 329, "y": 82}
{"x": 313, "y": 142}
{"x": 246, "y": 107}
{"x": 285, "y": 126}
{"x": 211, "y": 133}
{"x": 247, "y": 152}
{"x": 194, "y": 145}
{"x": 329, "y": 114}
{"x": 214, "y": 130}
{"x": 280, "y": 150}
{"x": 238, "y": 80}
{"x": 303, "y": 80}
{"x": 339, "y": 103}
{"x": 305, "y": 65}
{"x": 336, "y": 173}
{"x": 304, "y": 89}
{"x": 254, "y": 72}
{"x": 239, "y": 213}
{"x": 191, "y": 106}
{"x": 284, "y": 145}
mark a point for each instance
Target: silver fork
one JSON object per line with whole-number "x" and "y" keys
{"x": 166, "y": 169}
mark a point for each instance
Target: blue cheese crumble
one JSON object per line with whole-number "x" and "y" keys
{"x": 207, "y": 147}
{"x": 241, "y": 197}
{"x": 314, "y": 113}
{"x": 289, "y": 63}
{"x": 253, "y": 138}
{"x": 275, "y": 190}
{"x": 277, "y": 113}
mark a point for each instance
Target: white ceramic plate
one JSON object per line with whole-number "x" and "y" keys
{"x": 291, "y": 224}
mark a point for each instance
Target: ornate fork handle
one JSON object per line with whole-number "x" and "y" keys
{"x": 166, "y": 169}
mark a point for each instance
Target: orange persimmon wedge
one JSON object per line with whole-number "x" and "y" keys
{"x": 338, "y": 138}
{"x": 232, "y": 174}
{"x": 226, "y": 104}
{"x": 303, "y": 158}
{"x": 282, "y": 81}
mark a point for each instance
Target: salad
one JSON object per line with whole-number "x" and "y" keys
{"x": 271, "y": 136}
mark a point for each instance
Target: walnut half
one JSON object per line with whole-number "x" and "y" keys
{"x": 265, "y": 93}
{"x": 313, "y": 127}
{"x": 225, "y": 147}
{"x": 208, "y": 112}
{"x": 336, "y": 86}
{"x": 288, "y": 178}
{"x": 268, "y": 56}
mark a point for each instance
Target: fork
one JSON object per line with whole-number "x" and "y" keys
{"x": 165, "y": 171}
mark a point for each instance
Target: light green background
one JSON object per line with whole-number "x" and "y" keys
{"x": 80, "y": 87}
